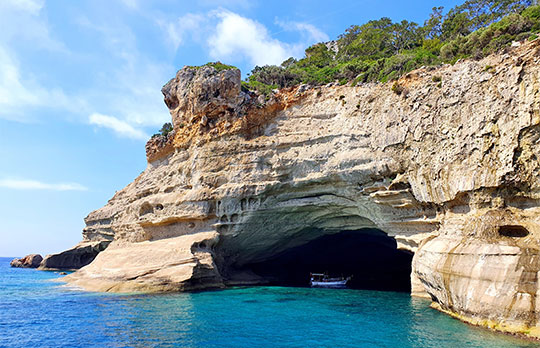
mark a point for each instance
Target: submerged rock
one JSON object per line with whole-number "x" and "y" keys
{"x": 29, "y": 261}
{"x": 448, "y": 169}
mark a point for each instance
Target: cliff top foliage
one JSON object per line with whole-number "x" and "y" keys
{"x": 165, "y": 130}
{"x": 216, "y": 65}
{"x": 381, "y": 50}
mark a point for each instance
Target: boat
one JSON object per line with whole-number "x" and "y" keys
{"x": 322, "y": 280}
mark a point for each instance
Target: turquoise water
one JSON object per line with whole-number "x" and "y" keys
{"x": 35, "y": 312}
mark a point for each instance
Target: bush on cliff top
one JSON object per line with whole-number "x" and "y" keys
{"x": 381, "y": 50}
{"x": 216, "y": 65}
{"x": 164, "y": 131}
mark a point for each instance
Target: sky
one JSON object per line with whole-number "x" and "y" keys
{"x": 80, "y": 85}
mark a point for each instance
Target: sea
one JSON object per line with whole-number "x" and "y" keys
{"x": 37, "y": 311}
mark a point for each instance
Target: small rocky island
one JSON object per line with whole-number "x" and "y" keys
{"x": 440, "y": 172}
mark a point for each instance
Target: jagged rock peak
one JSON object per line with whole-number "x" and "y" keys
{"x": 210, "y": 90}
{"x": 207, "y": 102}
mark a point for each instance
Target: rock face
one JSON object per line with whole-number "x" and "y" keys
{"x": 172, "y": 264}
{"x": 78, "y": 256}
{"x": 159, "y": 146}
{"x": 29, "y": 261}
{"x": 449, "y": 169}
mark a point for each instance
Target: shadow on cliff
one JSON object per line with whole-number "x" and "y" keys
{"x": 369, "y": 255}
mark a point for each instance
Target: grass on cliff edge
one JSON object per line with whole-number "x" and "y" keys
{"x": 216, "y": 65}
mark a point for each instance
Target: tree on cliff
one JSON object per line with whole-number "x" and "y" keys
{"x": 381, "y": 50}
{"x": 164, "y": 131}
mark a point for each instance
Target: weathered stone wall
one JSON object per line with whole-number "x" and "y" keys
{"x": 440, "y": 166}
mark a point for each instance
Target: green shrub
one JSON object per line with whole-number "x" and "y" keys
{"x": 216, "y": 65}
{"x": 220, "y": 67}
{"x": 166, "y": 129}
{"x": 397, "y": 88}
{"x": 381, "y": 50}
{"x": 532, "y": 13}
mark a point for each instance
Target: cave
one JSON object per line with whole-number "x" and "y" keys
{"x": 514, "y": 231}
{"x": 370, "y": 256}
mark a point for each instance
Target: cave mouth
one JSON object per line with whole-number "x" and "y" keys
{"x": 515, "y": 231}
{"x": 370, "y": 256}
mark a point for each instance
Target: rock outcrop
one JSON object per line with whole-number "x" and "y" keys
{"x": 29, "y": 261}
{"x": 78, "y": 256}
{"x": 446, "y": 162}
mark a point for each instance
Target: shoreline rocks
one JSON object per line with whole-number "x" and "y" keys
{"x": 29, "y": 261}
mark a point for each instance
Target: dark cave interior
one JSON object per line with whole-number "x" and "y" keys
{"x": 368, "y": 255}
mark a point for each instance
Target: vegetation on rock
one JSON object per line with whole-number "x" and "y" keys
{"x": 165, "y": 130}
{"x": 381, "y": 50}
{"x": 216, "y": 65}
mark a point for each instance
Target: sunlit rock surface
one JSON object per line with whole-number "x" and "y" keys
{"x": 448, "y": 169}
{"x": 29, "y": 261}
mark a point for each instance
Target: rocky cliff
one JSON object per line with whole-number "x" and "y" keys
{"x": 444, "y": 161}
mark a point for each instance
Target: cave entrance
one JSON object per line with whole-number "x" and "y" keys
{"x": 369, "y": 255}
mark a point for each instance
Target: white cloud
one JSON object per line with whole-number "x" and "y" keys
{"x": 229, "y": 3}
{"x": 311, "y": 32}
{"x": 236, "y": 35}
{"x": 23, "y": 22}
{"x": 234, "y": 38}
{"x": 24, "y": 25}
{"x": 18, "y": 93}
{"x": 133, "y": 84}
{"x": 188, "y": 24}
{"x": 122, "y": 128}
{"x": 138, "y": 100}
{"x": 23, "y": 184}
{"x": 132, "y": 4}
{"x": 31, "y": 6}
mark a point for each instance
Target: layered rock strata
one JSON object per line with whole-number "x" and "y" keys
{"x": 445, "y": 162}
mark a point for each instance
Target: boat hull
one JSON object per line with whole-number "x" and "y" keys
{"x": 342, "y": 284}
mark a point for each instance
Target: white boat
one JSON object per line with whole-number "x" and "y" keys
{"x": 321, "y": 280}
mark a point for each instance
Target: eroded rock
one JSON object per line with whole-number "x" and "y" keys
{"x": 450, "y": 170}
{"x": 29, "y": 261}
{"x": 78, "y": 256}
{"x": 173, "y": 264}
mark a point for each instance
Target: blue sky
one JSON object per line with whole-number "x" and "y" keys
{"x": 80, "y": 90}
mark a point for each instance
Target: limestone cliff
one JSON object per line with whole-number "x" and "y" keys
{"x": 445, "y": 161}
